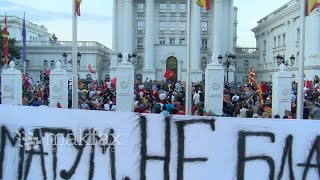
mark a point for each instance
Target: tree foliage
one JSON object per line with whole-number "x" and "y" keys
{"x": 53, "y": 38}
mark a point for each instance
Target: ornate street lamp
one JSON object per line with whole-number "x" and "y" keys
{"x": 64, "y": 56}
{"x": 281, "y": 60}
{"x": 131, "y": 58}
{"x": 229, "y": 62}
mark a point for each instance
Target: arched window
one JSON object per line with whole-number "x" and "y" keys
{"x": 139, "y": 63}
{"x": 27, "y": 64}
{"x": 45, "y": 64}
{"x": 204, "y": 63}
{"x": 52, "y": 64}
{"x": 139, "y": 77}
{"x": 107, "y": 78}
{"x": 245, "y": 79}
{"x": 246, "y": 63}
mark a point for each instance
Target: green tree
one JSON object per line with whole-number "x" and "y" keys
{"x": 14, "y": 51}
{"x": 53, "y": 38}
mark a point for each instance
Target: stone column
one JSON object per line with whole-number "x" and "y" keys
{"x": 281, "y": 92}
{"x": 196, "y": 73}
{"x": 128, "y": 24}
{"x": 115, "y": 26}
{"x": 149, "y": 71}
{"x": 11, "y": 86}
{"x": 58, "y": 87}
{"x": 231, "y": 26}
{"x": 214, "y": 72}
{"x": 312, "y": 45}
{"x": 217, "y": 31}
{"x": 125, "y": 87}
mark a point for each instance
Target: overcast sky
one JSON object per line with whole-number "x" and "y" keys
{"x": 95, "y": 23}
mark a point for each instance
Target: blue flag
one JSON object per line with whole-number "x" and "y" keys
{"x": 24, "y": 40}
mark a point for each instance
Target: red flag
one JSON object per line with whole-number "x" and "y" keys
{"x": 90, "y": 69}
{"x": 5, "y": 41}
{"x": 93, "y": 84}
{"x": 114, "y": 82}
{"x": 59, "y": 104}
{"x": 168, "y": 74}
{"x": 47, "y": 71}
{"x": 78, "y": 3}
{"x": 251, "y": 78}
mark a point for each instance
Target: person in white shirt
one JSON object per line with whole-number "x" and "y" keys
{"x": 196, "y": 98}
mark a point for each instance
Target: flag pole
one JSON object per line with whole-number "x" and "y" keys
{"x": 188, "y": 82}
{"x": 74, "y": 57}
{"x": 24, "y": 60}
{"x": 301, "y": 64}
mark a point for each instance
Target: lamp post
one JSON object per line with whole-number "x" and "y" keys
{"x": 66, "y": 61}
{"x": 131, "y": 59}
{"x": 281, "y": 60}
{"x": 75, "y": 76}
{"x": 229, "y": 62}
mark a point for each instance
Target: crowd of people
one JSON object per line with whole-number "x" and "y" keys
{"x": 168, "y": 97}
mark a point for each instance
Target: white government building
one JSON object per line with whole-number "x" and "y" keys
{"x": 43, "y": 54}
{"x": 157, "y": 32}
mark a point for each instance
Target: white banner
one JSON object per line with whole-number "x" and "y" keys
{"x": 45, "y": 143}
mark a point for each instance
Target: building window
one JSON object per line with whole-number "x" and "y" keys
{"x": 27, "y": 64}
{"x": 275, "y": 42}
{"x": 172, "y": 27}
{"x": 140, "y": 42}
{"x": 139, "y": 63}
{"x": 163, "y": 8}
{"x": 52, "y": 64}
{"x": 172, "y": 41}
{"x": 183, "y": 8}
{"x": 204, "y": 27}
{"x": 45, "y": 64}
{"x": 264, "y": 47}
{"x": 140, "y": 8}
{"x": 298, "y": 34}
{"x": 163, "y": 25}
{"x": 172, "y": 8}
{"x": 182, "y": 26}
{"x": 182, "y": 41}
{"x": 246, "y": 63}
{"x": 279, "y": 41}
{"x": 204, "y": 43}
{"x": 204, "y": 62}
{"x": 283, "y": 39}
{"x": 162, "y": 41}
{"x": 139, "y": 78}
{"x": 140, "y": 26}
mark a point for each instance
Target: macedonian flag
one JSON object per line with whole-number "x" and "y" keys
{"x": 204, "y": 3}
{"x": 311, "y": 5}
{"x": 5, "y": 41}
{"x": 168, "y": 74}
{"x": 251, "y": 78}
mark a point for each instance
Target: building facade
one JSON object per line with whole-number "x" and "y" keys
{"x": 43, "y": 54}
{"x": 157, "y": 31}
{"x": 279, "y": 34}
